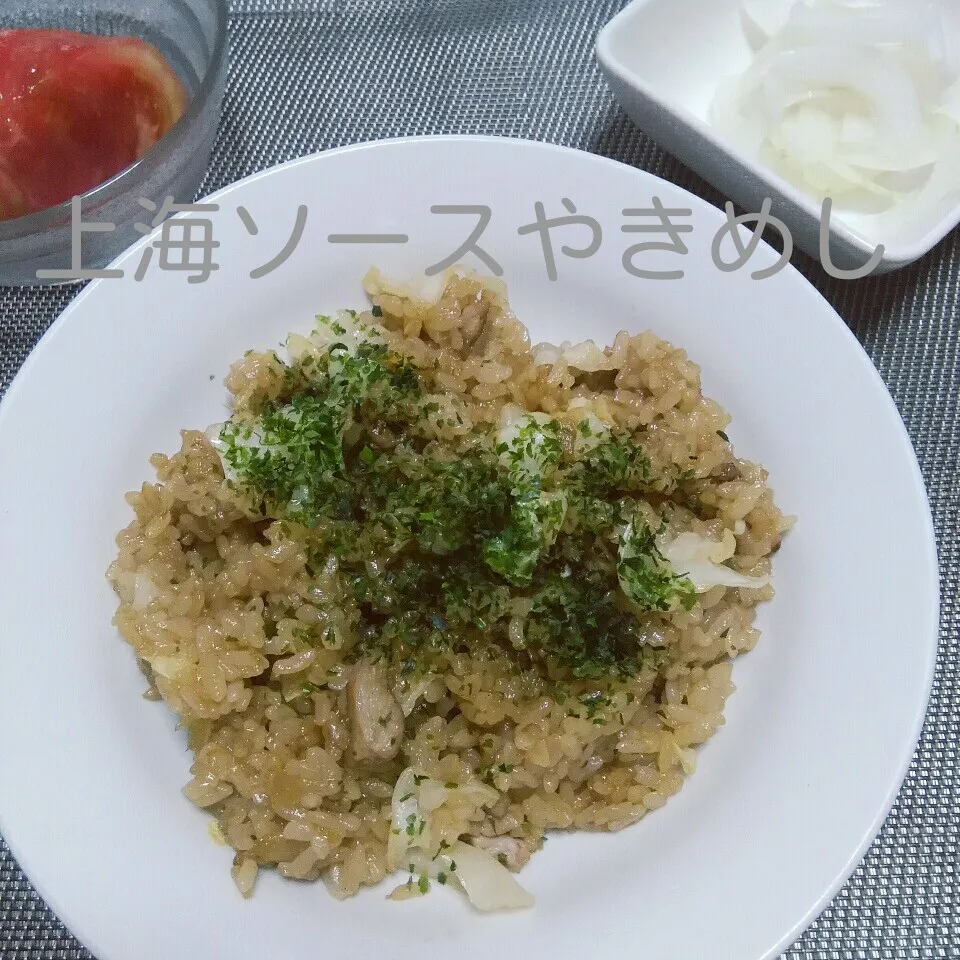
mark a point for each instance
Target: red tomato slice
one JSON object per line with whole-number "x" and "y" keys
{"x": 75, "y": 110}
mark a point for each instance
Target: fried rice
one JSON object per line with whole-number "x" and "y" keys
{"x": 432, "y": 591}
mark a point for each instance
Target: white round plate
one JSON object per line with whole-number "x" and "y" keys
{"x": 828, "y": 707}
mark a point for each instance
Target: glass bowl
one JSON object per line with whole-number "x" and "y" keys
{"x": 192, "y": 35}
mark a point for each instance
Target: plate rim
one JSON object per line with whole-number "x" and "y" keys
{"x": 931, "y": 557}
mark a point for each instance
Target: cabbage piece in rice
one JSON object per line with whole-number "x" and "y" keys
{"x": 413, "y": 845}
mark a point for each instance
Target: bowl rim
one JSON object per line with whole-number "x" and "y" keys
{"x": 40, "y": 221}
{"x": 894, "y": 254}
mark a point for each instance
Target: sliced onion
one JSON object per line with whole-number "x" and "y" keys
{"x": 701, "y": 561}
{"x": 488, "y": 884}
{"x": 950, "y": 104}
{"x": 529, "y": 461}
{"x": 841, "y": 24}
{"x": 884, "y": 85}
{"x": 426, "y": 290}
{"x": 764, "y": 18}
{"x": 948, "y": 36}
{"x": 546, "y": 355}
{"x": 167, "y": 667}
{"x": 144, "y": 591}
{"x": 588, "y": 357}
{"x": 405, "y": 804}
{"x": 856, "y": 130}
{"x": 842, "y": 97}
{"x": 408, "y": 696}
{"x": 591, "y": 432}
{"x": 343, "y": 328}
{"x": 213, "y": 433}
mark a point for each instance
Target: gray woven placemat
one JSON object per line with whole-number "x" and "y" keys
{"x": 306, "y": 76}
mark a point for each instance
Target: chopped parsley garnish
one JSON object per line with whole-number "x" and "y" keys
{"x": 435, "y": 539}
{"x": 645, "y": 575}
{"x": 592, "y": 701}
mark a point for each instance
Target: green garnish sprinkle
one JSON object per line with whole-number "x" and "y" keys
{"x": 356, "y": 455}
{"x": 645, "y": 575}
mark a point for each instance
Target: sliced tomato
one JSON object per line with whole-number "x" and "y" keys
{"x": 75, "y": 110}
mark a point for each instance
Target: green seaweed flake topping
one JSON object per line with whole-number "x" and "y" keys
{"x": 436, "y": 539}
{"x": 535, "y": 522}
{"x": 644, "y": 574}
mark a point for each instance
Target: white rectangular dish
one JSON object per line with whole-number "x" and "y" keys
{"x": 664, "y": 60}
